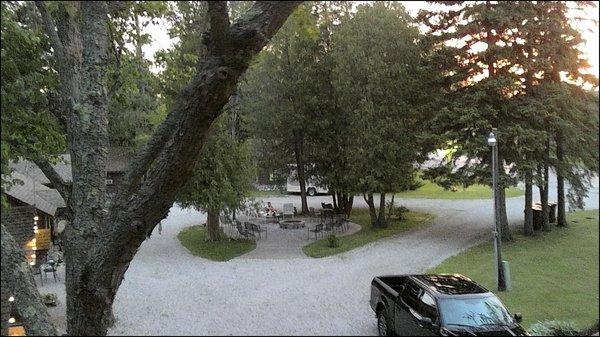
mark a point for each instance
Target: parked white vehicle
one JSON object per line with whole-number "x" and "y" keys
{"x": 293, "y": 186}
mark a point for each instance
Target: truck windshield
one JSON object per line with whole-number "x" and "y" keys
{"x": 474, "y": 312}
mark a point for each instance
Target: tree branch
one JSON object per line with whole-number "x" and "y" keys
{"x": 58, "y": 107}
{"x": 50, "y": 29}
{"x": 219, "y": 27}
{"x": 168, "y": 160}
{"x": 63, "y": 188}
{"x": 18, "y": 281}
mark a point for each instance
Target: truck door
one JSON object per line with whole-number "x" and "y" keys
{"x": 411, "y": 308}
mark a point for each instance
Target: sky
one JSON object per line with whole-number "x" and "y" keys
{"x": 589, "y": 29}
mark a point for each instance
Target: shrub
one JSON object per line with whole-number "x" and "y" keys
{"x": 333, "y": 241}
{"x": 553, "y": 328}
{"x": 50, "y": 299}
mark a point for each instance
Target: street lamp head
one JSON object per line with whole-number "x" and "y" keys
{"x": 491, "y": 139}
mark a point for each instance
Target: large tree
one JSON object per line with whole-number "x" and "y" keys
{"x": 382, "y": 79}
{"x": 556, "y": 74}
{"x": 281, "y": 96}
{"x": 222, "y": 179}
{"x": 105, "y": 234}
{"x": 480, "y": 43}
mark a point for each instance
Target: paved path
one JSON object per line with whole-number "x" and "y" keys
{"x": 285, "y": 243}
{"x": 169, "y": 291}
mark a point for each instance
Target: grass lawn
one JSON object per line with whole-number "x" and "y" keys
{"x": 193, "y": 238}
{"x": 434, "y": 191}
{"x": 263, "y": 194}
{"x": 367, "y": 234}
{"x": 554, "y": 275}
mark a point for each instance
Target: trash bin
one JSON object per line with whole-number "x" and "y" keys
{"x": 552, "y": 212}
{"x": 537, "y": 216}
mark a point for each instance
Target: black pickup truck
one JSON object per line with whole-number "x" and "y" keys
{"x": 446, "y": 305}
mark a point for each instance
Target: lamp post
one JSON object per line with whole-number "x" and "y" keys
{"x": 493, "y": 142}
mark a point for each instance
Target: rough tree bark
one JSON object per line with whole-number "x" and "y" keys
{"x": 18, "y": 282}
{"x": 212, "y": 225}
{"x": 103, "y": 239}
{"x": 561, "y": 219}
{"x": 528, "y": 223}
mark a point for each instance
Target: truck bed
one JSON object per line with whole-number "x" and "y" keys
{"x": 385, "y": 289}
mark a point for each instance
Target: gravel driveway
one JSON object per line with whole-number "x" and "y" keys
{"x": 168, "y": 291}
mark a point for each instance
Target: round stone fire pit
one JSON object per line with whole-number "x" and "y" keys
{"x": 291, "y": 224}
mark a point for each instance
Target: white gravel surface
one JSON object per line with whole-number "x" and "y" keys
{"x": 168, "y": 291}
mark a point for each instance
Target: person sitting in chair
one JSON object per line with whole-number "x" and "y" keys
{"x": 271, "y": 211}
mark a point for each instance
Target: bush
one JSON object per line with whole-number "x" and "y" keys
{"x": 397, "y": 212}
{"x": 333, "y": 241}
{"x": 553, "y": 328}
{"x": 50, "y": 299}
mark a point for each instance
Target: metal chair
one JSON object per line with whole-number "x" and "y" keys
{"x": 255, "y": 228}
{"x": 244, "y": 232}
{"x": 49, "y": 267}
{"x": 318, "y": 229}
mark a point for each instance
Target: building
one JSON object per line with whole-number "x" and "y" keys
{"x": 33, "y": 202}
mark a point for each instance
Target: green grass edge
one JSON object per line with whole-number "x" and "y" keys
{"x": 192, "y": 238}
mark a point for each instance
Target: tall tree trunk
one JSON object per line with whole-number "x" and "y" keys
{"x": 212, "y": 225}
{"x": 528, "y": 223}
{"x": 17, "y": 281}
{"x": 348, "y": 204}
{"x": 389, "y": 215}
{"x": 301, "y": 173}
{"x": 561, "y": 220}
{"x": 103, "y": 239}
{"x": 502, "y": 216}
{"x": 501, "y": 203}
{"x": 381, "y": 218}
{"x": 544, "y": 199}
{"x": 88, "y": 131}
{"x": 372, "y": 211}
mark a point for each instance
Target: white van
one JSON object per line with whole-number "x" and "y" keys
{"x": 293, "y": 186}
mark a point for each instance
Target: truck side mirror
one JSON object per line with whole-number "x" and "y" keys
{"x": 518, "y": 317}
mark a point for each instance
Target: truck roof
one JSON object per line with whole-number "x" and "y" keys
{"x": 451, "y": 284}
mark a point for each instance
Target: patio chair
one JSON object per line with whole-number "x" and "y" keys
{"x": 255, "y": 228}
{"x": 288, "y": 209}
{"x": 318, "y": 229}
{"x": 243, "y": 232}
{"x": 48, "y": 267}
{"x": 37, "y": 269}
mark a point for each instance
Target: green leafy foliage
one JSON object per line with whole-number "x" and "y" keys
{"x": 333, "y": 241}
{"x": 223, "y": 177}
{"x": 26, "y": 81}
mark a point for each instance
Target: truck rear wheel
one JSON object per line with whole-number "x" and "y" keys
{"x": 383, "y": 327}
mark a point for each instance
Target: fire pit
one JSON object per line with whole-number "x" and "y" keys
{"x": 291, "y": 224}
